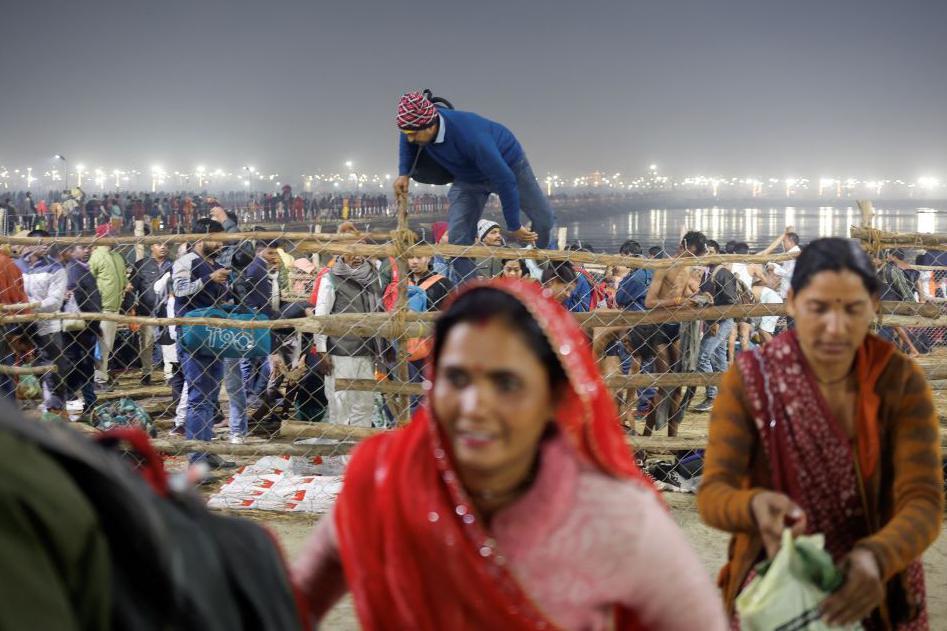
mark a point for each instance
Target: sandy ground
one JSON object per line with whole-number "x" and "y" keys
{"x": 711, "y": 547}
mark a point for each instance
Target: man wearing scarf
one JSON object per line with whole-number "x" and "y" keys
{"x": 352, "y": 285}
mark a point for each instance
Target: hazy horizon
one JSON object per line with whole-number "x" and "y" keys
{"x": 747, "y": 88}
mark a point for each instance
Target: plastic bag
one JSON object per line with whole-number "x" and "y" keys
{"x": 28, "y": 387}
{"x": 122, "y": 413}
{"x": 787, "y": 591}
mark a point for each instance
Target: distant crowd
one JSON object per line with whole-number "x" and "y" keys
{"x": 73, "y": 212}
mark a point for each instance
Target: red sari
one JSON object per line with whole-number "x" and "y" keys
{"x": 811, "y": 458}
{"x": 413, "y": 547}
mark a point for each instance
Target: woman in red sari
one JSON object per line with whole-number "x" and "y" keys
{"x": 831, "y": 430}
{"x": 511, "y": 501}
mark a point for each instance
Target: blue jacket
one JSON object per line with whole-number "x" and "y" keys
{"x": 254, "y": 288}
{"x": 632, "y": 290}
{"x": 477, "y": 151}
{"x": 580, "y": 300}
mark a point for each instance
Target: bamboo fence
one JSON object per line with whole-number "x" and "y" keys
{"x": 400, "y": 245}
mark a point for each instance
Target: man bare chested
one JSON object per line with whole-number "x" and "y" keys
{"x": 671, "y": 287}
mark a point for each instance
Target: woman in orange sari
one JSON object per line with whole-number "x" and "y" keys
{"x": 828, "y": 429}
{"x": 511, "y": 501}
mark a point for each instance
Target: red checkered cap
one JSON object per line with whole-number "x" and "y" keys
{"x": 415, "y": 112}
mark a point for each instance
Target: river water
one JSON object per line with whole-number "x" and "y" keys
{"x": 605, "y": 231}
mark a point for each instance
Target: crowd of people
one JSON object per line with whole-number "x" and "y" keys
{"x": 512, "y": 500}
{"x": 74, "y": 212}
{"x": 263, "y": 277}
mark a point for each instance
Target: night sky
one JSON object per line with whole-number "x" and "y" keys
{"x": 731, "y": 88}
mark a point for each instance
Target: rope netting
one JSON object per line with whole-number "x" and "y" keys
{"x": 314, "y": 340}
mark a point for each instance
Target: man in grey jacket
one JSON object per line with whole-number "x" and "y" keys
{"x": 351, "y": 286}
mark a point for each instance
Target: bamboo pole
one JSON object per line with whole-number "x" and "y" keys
{"x": 354, "y": 244}
{"x": 896, "y": 239}
{"x": 27, "y": 370}
{"x": 418, "y": 324}
{"x": 253, "y": 450}
{"x": 293, "y": 430}
{"x": 480, "y": 251}
{"x": 19, "y": 306}
{"x": 403, "y": 243}
{"x": 640, "y": 380}
{"x": 654, "y": 444}
{"x": 913, "y": 321}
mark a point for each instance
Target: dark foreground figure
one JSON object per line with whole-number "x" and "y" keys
{"x": 88, "y": 542}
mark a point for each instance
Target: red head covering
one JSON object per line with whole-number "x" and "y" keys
{"x": 414, "y": 551}
{"x": 438, "y": 228}
{"x": 415, "y": 112}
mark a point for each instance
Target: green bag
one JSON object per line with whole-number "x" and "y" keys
{"x": 122, "y": 413}
{"x": 788, "y": 589}
{"x": 28, "y": 387}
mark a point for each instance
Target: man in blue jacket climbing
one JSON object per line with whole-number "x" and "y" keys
{"x": 483, "y": 157}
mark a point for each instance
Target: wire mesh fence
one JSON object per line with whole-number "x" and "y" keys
{"x": 279, "y": 351}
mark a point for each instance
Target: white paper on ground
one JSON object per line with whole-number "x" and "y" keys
{"x": 284, "y": 483}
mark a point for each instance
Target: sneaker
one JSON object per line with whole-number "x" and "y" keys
{"x": 704, "y": 406}
{"x": 177, "y": 430}
{"x": 216, "y": 462}
{"x": 103, "y": 387}
{"x": 666, "y": 478}
{"x": 236, "y": 439}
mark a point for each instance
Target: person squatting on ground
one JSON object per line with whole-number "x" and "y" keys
{"x": 511, "y": 500}
{"x": 483, "y": 157}
{"x": 259, "y": 289}
{"x": 829, "y": 429}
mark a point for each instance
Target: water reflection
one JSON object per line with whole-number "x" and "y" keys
{"x": 757, "y": 226}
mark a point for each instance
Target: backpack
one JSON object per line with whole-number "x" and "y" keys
{"x": 744, "y": 294}
{"x": 173, "y": 563}
{"x": 215, "y": 341}
{"x": 420, "y": 347}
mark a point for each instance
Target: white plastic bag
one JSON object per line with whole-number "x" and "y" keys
{"x": 787, "y": 592}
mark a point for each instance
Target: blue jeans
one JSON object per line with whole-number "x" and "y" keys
{"x": 256, "y": 374}
{"x": 466, "y": 207}
{"x": 236, "y": 392}
{"x": 203, "y": 376}
{"x": 713, "y": 352}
